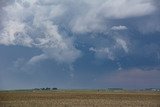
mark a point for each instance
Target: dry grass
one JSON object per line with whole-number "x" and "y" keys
{"x": 78, "y": 99}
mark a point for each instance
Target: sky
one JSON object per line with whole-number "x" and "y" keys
{"x": 79, "y": 44}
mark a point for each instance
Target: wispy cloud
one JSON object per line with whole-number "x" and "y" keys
{"x": 103, "y": 53}
{"x": 122, "y": 44}
{"x": 111, "y": 51}
{"x": 37, "y": 58}
{"x": 119, "y": 28}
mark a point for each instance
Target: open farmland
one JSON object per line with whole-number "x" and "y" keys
{"x": 79, "y": 99}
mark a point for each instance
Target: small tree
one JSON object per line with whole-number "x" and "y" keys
{"x": 54, "y": 88}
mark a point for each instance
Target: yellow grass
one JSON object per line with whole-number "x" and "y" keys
{"x": 78, "y": 99}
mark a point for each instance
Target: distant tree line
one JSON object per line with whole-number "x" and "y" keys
{"x": 46, "y": 88}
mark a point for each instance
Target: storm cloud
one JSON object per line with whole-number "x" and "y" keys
{"x": 86, "y": 35}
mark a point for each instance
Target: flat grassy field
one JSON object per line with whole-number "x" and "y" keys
{"x": 79, "y": 99}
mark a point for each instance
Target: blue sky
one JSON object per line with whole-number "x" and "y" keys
{"x": 79, "y": 44}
